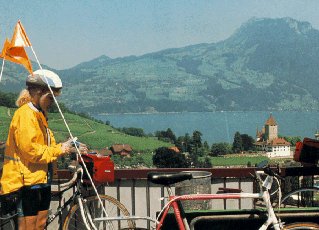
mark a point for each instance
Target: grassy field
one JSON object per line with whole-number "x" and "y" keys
{"x": 245, "y": 159}
{"x": 237, "y": 160}
{"x": 94, "y": 134}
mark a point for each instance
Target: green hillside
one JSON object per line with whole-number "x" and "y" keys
{"x": 267, "y": 64}
{"x": 94, "y": 134}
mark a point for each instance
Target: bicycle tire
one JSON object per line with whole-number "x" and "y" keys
{"x": 301, "y": 226}
{"x": 298, "y": 200}
{"x": 113, "y": 208}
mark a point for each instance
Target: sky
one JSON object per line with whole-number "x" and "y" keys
{"x": 65, "y": 33}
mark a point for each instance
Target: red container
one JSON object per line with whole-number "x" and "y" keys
{"x": 307, "y": 151}
{"x": 101, "y": 168}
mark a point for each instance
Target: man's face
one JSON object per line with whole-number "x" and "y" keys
{"x": 46, "y": 100}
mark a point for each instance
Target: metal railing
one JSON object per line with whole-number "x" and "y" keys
{"x": 143, "y": 198}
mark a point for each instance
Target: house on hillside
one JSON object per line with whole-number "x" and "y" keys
{"x": 267, "y": 140}
{"x": 121, "y": 149}
{"x": 175, "y": 149}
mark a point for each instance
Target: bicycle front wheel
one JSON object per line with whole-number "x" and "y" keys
{"x": 302, "y": 197}
{"x": 93, "y": 209}
{"x": 301, "y": 226}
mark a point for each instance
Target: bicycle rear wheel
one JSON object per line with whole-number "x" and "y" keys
{"x": 303, "y": 197}
{"x": 301, "y": 226}
{"x": 92, "y": 205}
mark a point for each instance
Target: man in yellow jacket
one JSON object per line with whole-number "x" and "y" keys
{"x": 30, "y": 150}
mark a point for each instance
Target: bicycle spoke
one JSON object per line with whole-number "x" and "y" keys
{"x": 93, "y": 209}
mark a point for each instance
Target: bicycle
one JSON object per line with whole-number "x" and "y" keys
{"x": 83, "y": 209}
{"x": 174, "y": 202}
{"x": 265, "y": 185}
{"x": 87, "y": 213}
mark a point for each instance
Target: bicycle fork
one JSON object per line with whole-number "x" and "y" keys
{"x": 85, "y": 215}
{"x": 272, "y": 218}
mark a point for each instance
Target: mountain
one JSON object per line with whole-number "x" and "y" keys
{"x": 267, "y": 64}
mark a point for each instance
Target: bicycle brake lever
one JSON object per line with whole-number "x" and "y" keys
{"x": 270, "y": 172}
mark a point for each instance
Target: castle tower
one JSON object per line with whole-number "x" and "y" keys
{"x": 271, "y": 129}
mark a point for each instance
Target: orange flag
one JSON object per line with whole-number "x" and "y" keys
{"x": 14, "y": 51}
{"x": 20, "y": 37}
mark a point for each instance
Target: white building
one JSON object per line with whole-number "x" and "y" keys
{"x": 267, "y": 140}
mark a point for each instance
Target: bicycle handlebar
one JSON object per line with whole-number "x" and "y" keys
{"x": 76, "y": 169}
{"x": 270, "y": 172}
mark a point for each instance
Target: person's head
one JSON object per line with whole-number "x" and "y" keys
{"x": 37, "y": 90}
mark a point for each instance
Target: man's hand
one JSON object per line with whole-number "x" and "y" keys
{"x": 70, "y": 146}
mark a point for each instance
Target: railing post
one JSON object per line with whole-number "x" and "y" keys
{"x": 133, "y": 196}
{"x": 148, "y": 202}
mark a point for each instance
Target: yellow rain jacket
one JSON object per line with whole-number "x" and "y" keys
{"x": 29, "y": 148}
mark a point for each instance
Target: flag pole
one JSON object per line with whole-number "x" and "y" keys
{"x": 56, "y": 102}
{"x": 2, "y": 69}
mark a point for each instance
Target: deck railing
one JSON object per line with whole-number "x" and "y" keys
{"x": 142, "y": 198}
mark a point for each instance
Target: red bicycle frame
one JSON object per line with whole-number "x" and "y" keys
{"x": 179, "y": 212}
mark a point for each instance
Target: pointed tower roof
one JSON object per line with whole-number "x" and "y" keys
{"x": 271, "y": 121}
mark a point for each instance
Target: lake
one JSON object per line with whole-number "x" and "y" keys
{"x": 219, "y": 126}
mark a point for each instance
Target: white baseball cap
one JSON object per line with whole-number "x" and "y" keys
{"x": 43, "y": 77}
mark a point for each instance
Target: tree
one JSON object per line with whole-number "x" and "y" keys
{"x": 184, "y": 143}
{"x": 167, "y": 135}
{"x": 8, "y": 99}
{"x": 196, "y": 144}
{"x": 247, "y": 142}
{"x": 197, "y": 139}
{"x": 138, "y": 132}
{"x": 187, "y": 143}
{"x": 205, "y": 149}
{"x": 205, "y": 145}
{"x": 292, "y": 140}
{"x": 221, "y": 148}
{"x": 238, "y": 143}
{"x": 170, "y": 135}
{"x": 168, "y": 158}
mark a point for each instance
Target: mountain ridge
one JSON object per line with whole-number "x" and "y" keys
{"x": 267, "y": 64}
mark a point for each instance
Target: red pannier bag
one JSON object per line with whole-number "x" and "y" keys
{"x": 101, "y": 168}
{"x": 307, "y": 151}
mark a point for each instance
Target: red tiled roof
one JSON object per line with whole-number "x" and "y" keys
{"x": 120, "y": 147}
{"x": 271, "y": 121}
{"x": 279, "y": 141}
{"x": 174, "y": 148}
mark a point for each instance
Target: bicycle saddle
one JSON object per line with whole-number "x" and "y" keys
{"x": 164, "y": 178}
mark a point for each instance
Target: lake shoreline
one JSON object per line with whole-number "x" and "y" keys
{"x": 219, "y": 111}
{"x": 218, "y": 126}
